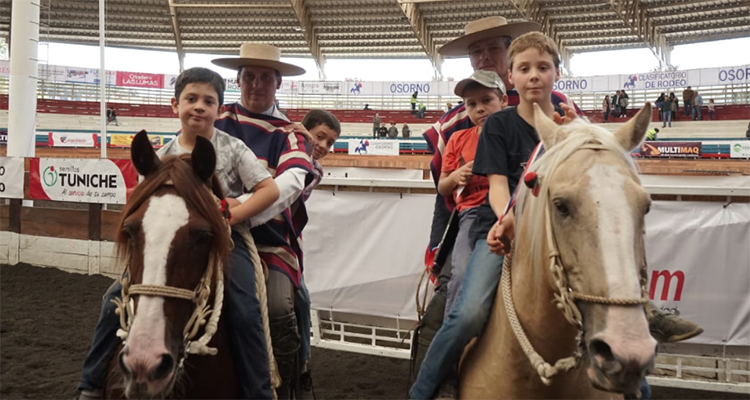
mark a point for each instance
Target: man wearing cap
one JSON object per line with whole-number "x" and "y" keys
{"x": 281, "y": 147}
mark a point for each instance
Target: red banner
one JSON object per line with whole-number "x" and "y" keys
{"x": 140, "y": 79}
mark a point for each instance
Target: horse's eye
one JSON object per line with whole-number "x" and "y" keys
{"x": 562, "y": 209}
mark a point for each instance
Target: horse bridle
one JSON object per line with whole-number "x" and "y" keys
{"x": 565, "y": 298}
{"x": 203, "y": 314}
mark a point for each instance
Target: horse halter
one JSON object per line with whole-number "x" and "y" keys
{"x": 564, "y": 298}
{"x": 198, "y": 296}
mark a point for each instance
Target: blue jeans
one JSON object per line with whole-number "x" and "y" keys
{"x": 464, "y": 322}
{"x": 697, "y": 113}
{"x": 244, "y": 330}
{"x": 460, "y": 257}
{"x": 302, "y": 309}
{"x": 666, "y": 118}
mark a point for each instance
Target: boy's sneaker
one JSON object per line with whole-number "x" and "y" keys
{"x": 448, "y": 390}
{"x": 306, "y": 386}
{"x": 668, "y": 328}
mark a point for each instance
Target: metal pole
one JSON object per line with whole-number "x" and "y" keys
{"x": 102, "y": 83}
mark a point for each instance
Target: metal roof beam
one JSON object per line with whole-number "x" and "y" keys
{"x": 634, "y": 15}
{"x": 177, "y": 36}
{"x": 532, "y": 10}
{"x": 308, "y": 31}
{"x": 419, "y": 26}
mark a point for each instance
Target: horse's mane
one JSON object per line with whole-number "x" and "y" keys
{"x": 530, "y": 217}
{"x": 177, "y": 172}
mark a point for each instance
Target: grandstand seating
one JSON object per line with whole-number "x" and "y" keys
{"x": 730, "y": 112}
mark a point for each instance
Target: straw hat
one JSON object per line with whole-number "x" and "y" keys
{"x": 488, "y": 79}
{"x": 262, "y": 55}
{"x": 486, "y": 28}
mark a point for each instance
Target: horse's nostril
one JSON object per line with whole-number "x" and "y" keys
{"x": 601, "y": 352}
{"x": 163, "y": 369}
{"x": 124, "y": 367}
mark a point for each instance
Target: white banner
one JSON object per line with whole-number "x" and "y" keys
{"x": 698, "y": 258}
{"x": 739, "y": 149}
{"x": 371, "y": 147}
{"x": 82, "y": 180}
{"x": 71, "y": 139}
{"x": 11, "y": 177}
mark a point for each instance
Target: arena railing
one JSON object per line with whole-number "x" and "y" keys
{"x": 722, "y": 95}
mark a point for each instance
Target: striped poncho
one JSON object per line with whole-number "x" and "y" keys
{"x": 278, "y": 151}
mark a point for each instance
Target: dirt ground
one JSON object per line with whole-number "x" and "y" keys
{"x": 47, "y": 318}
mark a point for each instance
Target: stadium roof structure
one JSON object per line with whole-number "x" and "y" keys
{"x": 328, "y": 29}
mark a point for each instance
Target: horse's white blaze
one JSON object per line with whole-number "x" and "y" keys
{"x": 163, "y": 218}
{"x": 626, "y": 327}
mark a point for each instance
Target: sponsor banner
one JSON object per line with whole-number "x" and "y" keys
{"x": 52, "y": 72}
{"x": 739, "y": 149}
{"x": 4, "y": 137}
{"x": 169, "y": 81}
{"x": 319, "y": 87}
{"x": 370, "y": 147}
{"x": 122, "y": 140}
{"x": 233, "y": 86}
{"x": 81, "y": 180}
{"x": 68, "y": 139}
{"x": 671, "y": 149}
{"x": 140, "y": 79}
{"x": 4, "y": 68}
{"x": 11, "y": 177}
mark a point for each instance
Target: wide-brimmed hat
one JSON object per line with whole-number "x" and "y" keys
{"x": 486, "y": 28}
{"x": 262, "y": 55}
{"x": 488, "y": 79}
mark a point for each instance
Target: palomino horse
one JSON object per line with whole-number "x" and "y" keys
{"x": 579, "y": 250}
{"x": 175, "y": 241}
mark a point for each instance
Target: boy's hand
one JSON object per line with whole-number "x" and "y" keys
{"x": 300, "y": 129}
{"x": 462, "y": 176}
{"x": 570, "y": 114}
{"x": 500, "y": 235}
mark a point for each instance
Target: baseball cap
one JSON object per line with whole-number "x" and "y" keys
{"x": 488, "y": 79}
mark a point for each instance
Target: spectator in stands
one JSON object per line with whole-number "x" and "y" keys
{"x": 405, "y": 131}
{"x": 651, "y": 134}
{"x": 367, "y": 107}
{"x": 623, "y": 101}
{"x": 606, "y": 108}
{"x": 747, "y": 132}
{"x": 616, "y": 105}
{"x": 392, "y": 131}
{"x": 658, "y": 102}
{"x": 675, "y": 106}
{"x": 375, "y": 125}
{"x": 711, "y": 109}
{"x": 256, "y": 120}
{"x": 687, "y": 98}
{"x": 382, "y": 131}
{"x": 697, "y": 104}
{"x": 422, "y": 109}
{"x": 112, "y": 116}
{"x": 414, "y": 102}
{"x": 667, "y": 110}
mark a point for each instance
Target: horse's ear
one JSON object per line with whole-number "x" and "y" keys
{"x": 143, "y": 155}
{"x": 203, "y": 158}
{"x": 549, "y": 132}
{"x": 631, "y": 134}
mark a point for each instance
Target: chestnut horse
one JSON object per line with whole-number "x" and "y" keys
{"x": 579, "y": 249}
{"x": 175, "y": 241}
